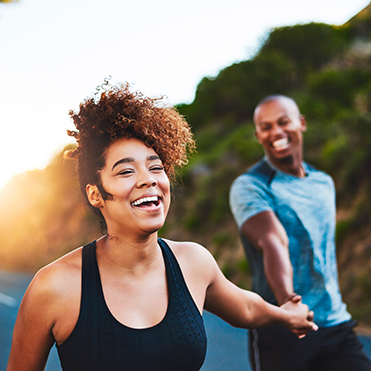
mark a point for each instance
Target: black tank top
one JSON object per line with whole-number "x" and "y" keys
{"x": 100, "y": 343}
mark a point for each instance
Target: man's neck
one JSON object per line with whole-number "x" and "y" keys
{"x": 289, "y": 165}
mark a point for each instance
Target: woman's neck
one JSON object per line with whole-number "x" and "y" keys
{"x": 125, "y": 252}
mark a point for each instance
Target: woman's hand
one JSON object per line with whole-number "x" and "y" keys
{"x": 301, "y": 319}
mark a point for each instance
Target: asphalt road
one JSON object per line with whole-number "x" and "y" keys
{"x": 226, "y": 345}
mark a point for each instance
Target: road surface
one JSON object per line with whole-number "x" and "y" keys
{"x": 226, "y": 349}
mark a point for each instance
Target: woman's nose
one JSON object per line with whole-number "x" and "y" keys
{"x": 146, "y": 179}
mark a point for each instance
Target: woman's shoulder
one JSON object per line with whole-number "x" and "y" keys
{"x": 191, "y": 253}
{"x": 198, "y": 266}
{"x": 53, "y": 296}
{"x": 186, "y": 248}
{"x": 58, "y": 277}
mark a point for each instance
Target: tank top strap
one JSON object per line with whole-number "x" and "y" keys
{"x": 91, "y": 283}
{"x": 92, "y": 300}
{"x": 178, "y": 291}
{"x": 173, "y": 270}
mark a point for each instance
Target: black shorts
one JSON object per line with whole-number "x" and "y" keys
{"x": 337, "y": 348}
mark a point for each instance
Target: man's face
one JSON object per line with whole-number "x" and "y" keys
{"x": 279, "y": 129}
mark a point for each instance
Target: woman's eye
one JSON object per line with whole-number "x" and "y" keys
{"x": 125, "y": 172}
{"x": 157, "y": 168}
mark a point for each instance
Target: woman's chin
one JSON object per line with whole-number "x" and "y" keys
{"x": 154, "y": 228}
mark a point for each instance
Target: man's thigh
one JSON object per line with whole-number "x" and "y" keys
{"x": 347, "y": 355}
{"x": 274, "y": 348}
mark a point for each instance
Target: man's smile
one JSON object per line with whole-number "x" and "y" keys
{"x": 281, "y": 144}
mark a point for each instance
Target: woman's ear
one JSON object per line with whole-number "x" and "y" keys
{"x": 94, "y": 196}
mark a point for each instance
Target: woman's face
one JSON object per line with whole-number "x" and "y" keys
{"x": 134, "y": 175}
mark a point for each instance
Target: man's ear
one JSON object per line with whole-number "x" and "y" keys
{"x": 303, "y": 123}
{"x": 256, "y": 136}
{"x": 94, "y": 196}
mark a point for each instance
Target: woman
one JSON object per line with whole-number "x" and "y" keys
{"x": 131, "y": 301}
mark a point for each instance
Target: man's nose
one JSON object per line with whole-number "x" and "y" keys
{"x": 276, "y": 129}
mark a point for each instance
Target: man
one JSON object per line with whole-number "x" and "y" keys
{"x": 285, "y": 211}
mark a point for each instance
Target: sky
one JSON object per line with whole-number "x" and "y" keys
{"x": 53, "y": 54}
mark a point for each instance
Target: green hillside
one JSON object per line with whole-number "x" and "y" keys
{"x": 326, "y": 68}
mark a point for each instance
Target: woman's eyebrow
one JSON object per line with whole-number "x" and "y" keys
{"x": 153, "y": 157}
{"x": 131, "y": 159}
{"x": 123, "y": 161}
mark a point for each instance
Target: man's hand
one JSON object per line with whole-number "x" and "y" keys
{"x": 301, "y": 317}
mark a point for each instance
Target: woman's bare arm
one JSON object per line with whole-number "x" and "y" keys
{"x": 245, "y": 309}
{"x": 48, "y": 312}
{"x": 32, "y": 336}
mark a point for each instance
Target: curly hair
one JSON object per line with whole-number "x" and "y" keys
{"x": 114, "y": 112}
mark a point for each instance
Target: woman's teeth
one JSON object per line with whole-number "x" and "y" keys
{"x": 145, "y": 199}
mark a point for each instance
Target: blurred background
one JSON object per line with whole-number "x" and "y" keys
{"x": 214, "y": 60}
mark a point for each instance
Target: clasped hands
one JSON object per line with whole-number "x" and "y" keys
{"x": 301, "y": 317}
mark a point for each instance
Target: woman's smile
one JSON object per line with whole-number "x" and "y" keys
{"x": 147, "y": 201}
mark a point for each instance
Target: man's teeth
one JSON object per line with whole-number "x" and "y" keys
{"x": 145, "y": 199}
{"x": 280, "y": 143}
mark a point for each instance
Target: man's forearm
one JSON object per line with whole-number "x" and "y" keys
{"x": 269, "y": 237}
{"x": 279, "y": 273}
